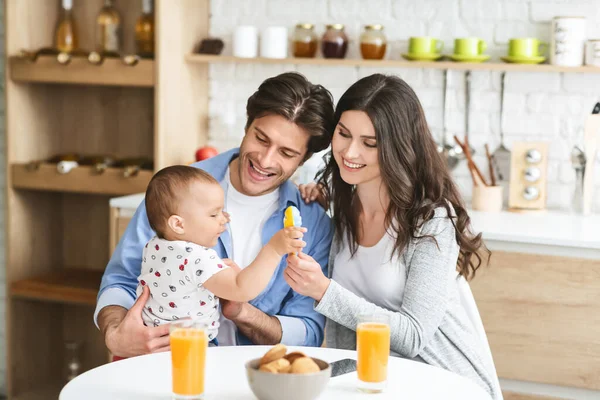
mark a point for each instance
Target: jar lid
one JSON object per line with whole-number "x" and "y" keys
{"x": 337, "y": 27}
{"x": 375, "y": 27}
{"x": 305, "y": 26}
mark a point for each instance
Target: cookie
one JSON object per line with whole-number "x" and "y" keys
{"x": 304, "y": 365}
{"x": 273, "y": 354}
{"x": 278, "y": 366}
{"x": 291, "y": 357}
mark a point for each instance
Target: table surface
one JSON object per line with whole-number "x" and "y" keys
{"x": 149, "y": 377}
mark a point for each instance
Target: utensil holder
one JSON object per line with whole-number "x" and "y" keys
{"x": 487, "y": 198}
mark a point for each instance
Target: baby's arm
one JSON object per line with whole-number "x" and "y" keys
{"x": 244, "y": 285}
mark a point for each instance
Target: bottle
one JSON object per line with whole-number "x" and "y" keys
{"x": 108, "y": 29}
{"x": 373, "y": 43}
{"x": 144, "y": 31}
{"x": 131, "y": 166}
{"x": 65, "y": 37}
{"x": 305, "y": 41}
{"x": 335, "y": 42}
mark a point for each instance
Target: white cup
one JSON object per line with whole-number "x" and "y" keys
{"x": 592, "y": 52}
{"x": 245, "y": 41}
{"x": 274, "y": 42}
{"x": 568, "y": 41}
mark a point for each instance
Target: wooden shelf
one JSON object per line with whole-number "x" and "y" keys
{"x": 79, "y": 180}
{"x": 203, "y": 59}
{"x": 44, "y": 392}
{"x": 112, "y": 72}
{"x": 66, "y": 285}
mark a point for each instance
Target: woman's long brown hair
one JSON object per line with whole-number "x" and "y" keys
{"x": 415, "y": 174}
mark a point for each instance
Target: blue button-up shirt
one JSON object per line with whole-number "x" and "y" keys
{"x": 301, "y": 324}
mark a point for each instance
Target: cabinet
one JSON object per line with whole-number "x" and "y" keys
{"x": 56, "y": 225}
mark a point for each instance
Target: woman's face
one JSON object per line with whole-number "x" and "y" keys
{"x": 354, "y": 148}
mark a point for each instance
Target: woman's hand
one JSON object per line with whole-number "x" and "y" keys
{"x": 312, "y": 192}
{"x": 304, "y": 275}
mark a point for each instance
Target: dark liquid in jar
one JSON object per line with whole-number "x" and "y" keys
{"x": 371, "y": 51}
{"x": 305, "y": 49}
{"x": 335, "y": 49}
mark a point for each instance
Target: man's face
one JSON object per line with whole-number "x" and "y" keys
{"x": 271, "y": 151}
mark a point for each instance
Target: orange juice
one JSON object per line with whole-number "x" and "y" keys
{"x": 188, "y": 357}
{"x": 373, "y": 348}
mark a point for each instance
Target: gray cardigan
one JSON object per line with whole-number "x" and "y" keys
{"x": 431, "y": 325}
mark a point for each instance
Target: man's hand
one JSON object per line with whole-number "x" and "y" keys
{"x": 126, "y": 335}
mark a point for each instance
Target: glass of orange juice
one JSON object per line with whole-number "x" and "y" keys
{"x": 189, "y": 340}
{"x": 373, "y": 348}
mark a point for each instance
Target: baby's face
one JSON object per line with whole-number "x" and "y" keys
{"x": 202, "y": 212}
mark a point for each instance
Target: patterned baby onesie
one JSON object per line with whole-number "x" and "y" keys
{"x": 175, "y": 272}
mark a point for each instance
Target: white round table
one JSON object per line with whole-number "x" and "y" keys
{"x": 149, "y": 377}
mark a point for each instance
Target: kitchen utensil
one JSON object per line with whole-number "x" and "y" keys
{"x": 487, "y": 198}
{"x": 490, "y": 165}
{"x": 578, "y": 161}
{"x": 528, "y": 176}
{"x": 451, "y": 152}
{"x": 501, "y": 155}
{"x": 476, "y": 174}
{"x": 591, "y": 132}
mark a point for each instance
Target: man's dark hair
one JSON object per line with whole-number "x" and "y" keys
{"x": 293, "y": 97}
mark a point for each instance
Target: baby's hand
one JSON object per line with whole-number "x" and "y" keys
{"x": 288, "y": 240}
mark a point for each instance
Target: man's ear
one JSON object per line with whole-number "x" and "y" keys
{"x": 176, "y": 224}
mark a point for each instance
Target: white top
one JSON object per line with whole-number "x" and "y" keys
{"x": 175, "y": 272}
{"x": 372, "y": 274}
{"x": 149, "y": 377}
{"x": 248, "y": 216}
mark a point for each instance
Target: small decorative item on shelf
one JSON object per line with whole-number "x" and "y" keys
{"x": 73, "y": 361}
{"x": 567, "y": 44}
{"x": 245, "y": 41}
{"x": 424, "y": 49}
{"x": 132, "y": 166}
{"x": 373, "y": 43}
{"x": 131, "y": 59}
{"x": 274, "y": 42}
{"x": 98, "y": 57}
{"x": 528, "y": 176}
{"x": 33, "y": 55}
{"x": 144, "y": 31}
{"x": 66, "y": 38}
{"x": 210, "y": 46}
{"x": 108, "y": 29}
{"x": 469, "y": 50}
{"x": 592, "y": 52}
{"x": 98, "y": 162}
{"x": 305, "y": 41}
{"x": 526, "y": 51}
{"x": 334, "y": 43}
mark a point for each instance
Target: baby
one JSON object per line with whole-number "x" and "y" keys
{"x": 185, "y": 276}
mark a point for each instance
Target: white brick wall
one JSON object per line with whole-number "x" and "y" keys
{"x": 538, "y": 106}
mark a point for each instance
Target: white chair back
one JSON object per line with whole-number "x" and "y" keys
{"x": 468, "y": 302}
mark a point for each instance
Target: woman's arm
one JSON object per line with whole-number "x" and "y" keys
{"x": 425, "y": 297}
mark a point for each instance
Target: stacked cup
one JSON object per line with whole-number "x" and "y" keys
{"x": 273, "y": 42}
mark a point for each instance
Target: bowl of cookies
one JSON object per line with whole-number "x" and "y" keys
{"x": 292, "y": 376}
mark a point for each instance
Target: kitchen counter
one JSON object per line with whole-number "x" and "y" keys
{"x": 549, "y": 232}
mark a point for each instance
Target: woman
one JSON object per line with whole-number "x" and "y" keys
{"x": 402, "y": 234}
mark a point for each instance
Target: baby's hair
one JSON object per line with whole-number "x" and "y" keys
{"x": 165, "y": 190}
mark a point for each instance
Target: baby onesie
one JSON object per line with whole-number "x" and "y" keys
{"x": 175, "y": 272}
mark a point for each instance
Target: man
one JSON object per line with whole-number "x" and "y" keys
{"x": 289, "y": 119}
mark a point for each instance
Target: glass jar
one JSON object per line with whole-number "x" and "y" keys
{"x": 335, "y": 42}
{"x": 305, "y": 41}
{"x": 373, "y": 43}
